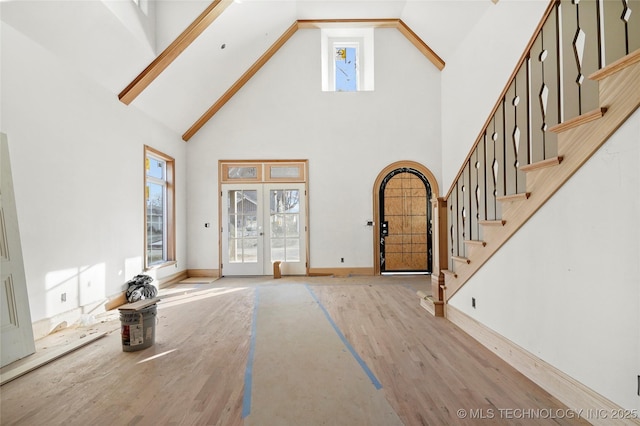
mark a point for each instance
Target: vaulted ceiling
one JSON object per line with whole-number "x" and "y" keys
{"x": 193, "y": 54}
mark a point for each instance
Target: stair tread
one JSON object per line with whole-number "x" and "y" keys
{"x": 476, "y": 242}
{"x": 579, "y": 120}
{"x": 514, "y": 197}
{"x": 549, "y": 162}
{"x": 496, "y": 222}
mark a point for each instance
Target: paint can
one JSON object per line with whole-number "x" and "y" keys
{"x": 138, "y": 328}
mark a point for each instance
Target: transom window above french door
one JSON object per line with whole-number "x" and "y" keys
{"x": 257, "y": 171}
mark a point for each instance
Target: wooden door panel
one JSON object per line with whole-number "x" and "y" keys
{"x": 406, "y": 261}
{"x": 419, "y": 239}
{"x": 394, "y": 207}
{"x": 418, "y": 261}
{"x": 394, "y": 261}
{"x": 405, "y": 211}
{"x": 418, "y": 224}
{"x": 419, "y": 206}
{"x": 396, "y": 225}
{"x": 394, "y": 239}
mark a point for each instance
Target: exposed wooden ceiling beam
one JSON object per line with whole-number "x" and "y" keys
{"x": 306, "y": 24}
{"x": 420, "y": 45}
{"x": 173, "y": 51}
{"x": 377, "y": 23}
{"x": 241, "y": 81}
{"x": 347, "y": 23}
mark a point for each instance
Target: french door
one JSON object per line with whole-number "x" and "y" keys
{"x": 263, "y": 223}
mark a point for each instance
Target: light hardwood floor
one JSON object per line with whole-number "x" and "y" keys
{"x": 194, "y": 374}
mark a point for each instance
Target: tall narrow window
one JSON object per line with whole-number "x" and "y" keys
{"x": 347, "y": 59}
{"x": 159, "y": 208}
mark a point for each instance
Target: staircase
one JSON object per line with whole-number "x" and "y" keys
{"x": 520, "y": 158}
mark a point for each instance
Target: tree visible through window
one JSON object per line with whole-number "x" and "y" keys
{"x": 159, "y": 232}
{"x": 285, "y": 224}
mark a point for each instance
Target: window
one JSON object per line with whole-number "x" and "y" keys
{"x": 346, "y": 67}
{"x": 284, "y": 218}
{"x": 242, "y": 172}
{"x": 259, "y": 171}
{"x": 285, "y": 172}
{"x": 159, "y": 208}
{"x": 347, "y": 59}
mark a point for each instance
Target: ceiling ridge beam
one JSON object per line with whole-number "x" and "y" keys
{"x": 378, "y": 23}
{"x": 351, "y": 23}
{"x": 197, "y": 27}
{"x": 311, "y": 24}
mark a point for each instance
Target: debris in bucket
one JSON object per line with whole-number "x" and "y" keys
{"x": 140, "y": 288}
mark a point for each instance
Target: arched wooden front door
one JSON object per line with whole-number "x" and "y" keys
{"x": 404, "y": 234}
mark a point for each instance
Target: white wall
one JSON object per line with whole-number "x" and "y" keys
{"x": 173, "y": 17}
{"x": 77, "y": 160}
{"x": 348, "y": 139}
{"x": 139, "y": 19}
{"x": 477, "y": 73}
{"x": 110, "y": 41}
{"x": 565, "y": 287}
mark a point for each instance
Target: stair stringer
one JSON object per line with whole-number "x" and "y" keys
{"x": 619, "y": 93}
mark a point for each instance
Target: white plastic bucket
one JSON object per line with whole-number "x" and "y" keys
{"x": 138, "y": 328}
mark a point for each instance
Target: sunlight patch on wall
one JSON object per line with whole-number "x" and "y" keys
{"x": 132, "y": 267}
{"x": 71, "y": 288}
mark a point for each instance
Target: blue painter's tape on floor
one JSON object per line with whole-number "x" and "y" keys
{"x": 364, "y": 366}
{"x": 248, "y": 372}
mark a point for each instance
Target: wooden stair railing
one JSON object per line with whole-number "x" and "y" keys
{"x": 577, "y": 81}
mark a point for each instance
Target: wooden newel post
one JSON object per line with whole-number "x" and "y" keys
{"x": 440, "y": 260}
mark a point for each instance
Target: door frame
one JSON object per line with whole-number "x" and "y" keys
{"x": 249, "y": 268}
{"x": 435, "y": 191}
{"x": 264, "y": 175}
{"x": 263, "y": 264}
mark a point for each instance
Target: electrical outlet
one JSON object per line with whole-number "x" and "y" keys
{"x": 473, "y": 302}
{"x": 342, "y": 260}
{"x": 63, "y": 297}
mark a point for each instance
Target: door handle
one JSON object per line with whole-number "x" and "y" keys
{"x": 384, "y": 229}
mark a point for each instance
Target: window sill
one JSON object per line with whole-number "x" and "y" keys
{"x": 161, "y": 265}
